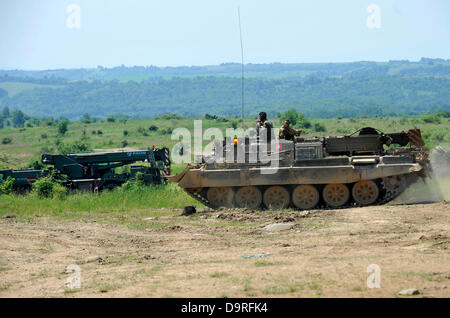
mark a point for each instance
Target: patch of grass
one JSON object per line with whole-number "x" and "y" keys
{"x": 5, "y": 286}
{"x": 68, "y": 291}
{"x": 357, "y": 288}
{"x": 219, "y": 275}
{"x": 108, "y": 287}
{"x": 282, "y": 289}
{"x": 431, "y": 277}
{"x": 266, "y": 263}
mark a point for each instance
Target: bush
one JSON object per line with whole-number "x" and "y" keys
{"x": 99, "y": 132}
{"x": 110, "y": 119}
{"x": 210, "y": 117}
{"x": 7, "y": 186}
{"x": 170, "y": 116}
{"x": 76, "y": 146}
{"x": 431, "y": 119}
{"x": 303, "y": 121}
{"x": 166, "y": 131}
{"x": 124, "y": 143}
{"x": 136, "y": 184}
{"x": 62, "y": 127}
{"x": 44, "y": 136}
{"x": 43, "y": 187}
{"x": 125, "y": 132}
{"x": 318, "y": 127}
{"x": 6, "y": 140}
{"x": 59, "y": 191}
{"x": 292, "y": 115}
{"x": 153, "y": 128}
{"x": 142, "y": 131}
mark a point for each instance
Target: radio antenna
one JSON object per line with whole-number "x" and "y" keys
{"x": 242, "y": 62}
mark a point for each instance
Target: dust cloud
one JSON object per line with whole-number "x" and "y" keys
{"x": 434, "y": 189}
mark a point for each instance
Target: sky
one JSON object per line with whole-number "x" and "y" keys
{"x": 52, "y": 34}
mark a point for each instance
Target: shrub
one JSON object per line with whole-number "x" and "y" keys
{"x": 6, "y": 140}
{"x": 210, "y": 117}
{"x": 170, "y": 116}
{"x": 431, "y": 119}
{"x": 110, "y": 119}
{"x": 153, "y": 128}
{"x": 59, "y": 191}
{"x": 62, "y": 127}
{"x": 124, "y": 143}
{"x": 76, "y": 146}
{"x": 44, "y": 136}
{"x": 94, "y": 132}
{"x": 125, "y": 132}
{"x": 43, "y": 187}
{"x": 99, "y": 132}
{"x": 292, "y": 115}
{"x": 166, "y": 131}
{"x": 142, "y": 131}
{"x": 318, "y": 127}
{"x": 7, "y": 186}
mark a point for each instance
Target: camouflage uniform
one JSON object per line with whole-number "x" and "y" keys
{"x": 263, "y": 123}
{"x": 288, "y": 133}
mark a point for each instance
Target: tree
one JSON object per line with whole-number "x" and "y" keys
{"x": 110, "y": 119}
{"x": 5, "y": 112}
{"x": 290, "y": 114}
{"x": 62, "y": 127}
{"x": 18, "y": 118}
{"x": 86, "y": 118}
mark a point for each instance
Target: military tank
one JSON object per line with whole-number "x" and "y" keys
{"x": 365, "y": 168}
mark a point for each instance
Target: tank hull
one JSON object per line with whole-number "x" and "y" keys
{"x": 332, "y": 172}
{"x": 233, "y": 177}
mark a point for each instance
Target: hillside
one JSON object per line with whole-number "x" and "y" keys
{"x": 393, "y": 88}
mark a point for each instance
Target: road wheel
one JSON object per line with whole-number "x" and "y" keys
{"x": 276, "y": 197}
{"x": 335, "y": 194}
{"x": 248, "y": 197}
{"x": 220, "y": 196}
{"x": 305, "y": 196}
{"x": 365, "y": 192}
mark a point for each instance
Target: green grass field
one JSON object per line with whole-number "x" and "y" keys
{"x": 29, "y": 143}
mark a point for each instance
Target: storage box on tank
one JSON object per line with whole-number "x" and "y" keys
{"x": 308, "y": 151}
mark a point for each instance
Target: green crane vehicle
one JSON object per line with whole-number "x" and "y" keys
{"x": 95, "y": 171}
{"x": 23, "y": 178}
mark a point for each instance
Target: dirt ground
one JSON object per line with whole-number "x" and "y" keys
{"x": 325, "y": 254}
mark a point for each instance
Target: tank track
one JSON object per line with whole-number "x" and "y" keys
{"x": 388, "y": 192}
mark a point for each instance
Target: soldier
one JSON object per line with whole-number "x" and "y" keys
{"x": 263, "y": 123}
{"x": 288, "y": 133}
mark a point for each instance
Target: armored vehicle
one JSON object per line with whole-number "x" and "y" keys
{"x": 365, "y": 168}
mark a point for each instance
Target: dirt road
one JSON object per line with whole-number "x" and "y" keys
{"x": 325, "y": 254}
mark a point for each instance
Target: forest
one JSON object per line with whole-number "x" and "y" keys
{"x": 323, "y": 90}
